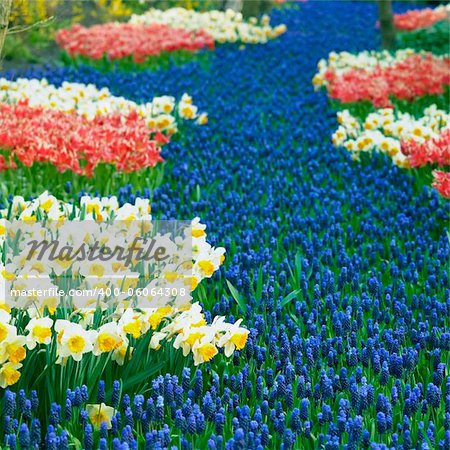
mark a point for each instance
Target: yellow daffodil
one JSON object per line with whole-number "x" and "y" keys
{"x": 9, "y": 374}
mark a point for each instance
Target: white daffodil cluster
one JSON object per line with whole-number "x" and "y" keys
{"x": 339, "y": 63}
{"x": 223, "y": 26}
{"x": 193, "y": 335}
{"x": 76, "y": 255}
{"x": 12, "y": 350}
{"x": 383, "y": 131}
{"x": 89, "y": 102}
{"x": 118, "y": 335}
{"x": 121, "y": 327}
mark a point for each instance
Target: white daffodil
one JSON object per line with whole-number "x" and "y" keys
{"x": 99, "y": 414}
{"x": 9, "y": 374}
{"x": 74, "y": 340}
{"x": 234, "y": 338}
{"x": 39, "y": 331}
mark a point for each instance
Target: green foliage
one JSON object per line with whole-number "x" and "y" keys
{"x": 40, "y": 177}
{"x": 162, "y": 61}
{"x": 434, "y": 39}
{"x": 32, "y": 45}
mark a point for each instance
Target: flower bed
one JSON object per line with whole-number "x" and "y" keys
{"x": 340, "y": 271}
{"x": 403, "y": 84}
{"x": 421, "y": 18}
{"x": 88, "y": 101}
{"x": 120, "y": 40}
{"x": 410, "y": 142}
{"x": 79, "y": 130}
{"x": 385, "y": 130}
{"x": 72, "y": 143}
{"x": 159, "y": 38}
{"x": 426, "y": 29}
{"x": 380, "y": 77}
{"x": 222, "y": 26}
{"x": 44, "y": 331}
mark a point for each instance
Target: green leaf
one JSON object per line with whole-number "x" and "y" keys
{"x": 235, "y": 294}
{"x": 76, "y": 443}
{"x": 259, "y": 283}
{"x": 140, "y": 377}
{"x": 286, "y": 300}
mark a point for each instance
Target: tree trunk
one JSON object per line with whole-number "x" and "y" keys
{"x": 386, "y": 19}
{"x": 5, "y": 10}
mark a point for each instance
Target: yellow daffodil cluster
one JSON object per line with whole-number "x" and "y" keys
{"x": 223, "y": 26}
{"x": 339, "y": 63}
{"x": 31, "y": 11}
{"x": 383, "y": 131}
{"x": 88, "y": 101}
{"x": 121, "y": 327}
